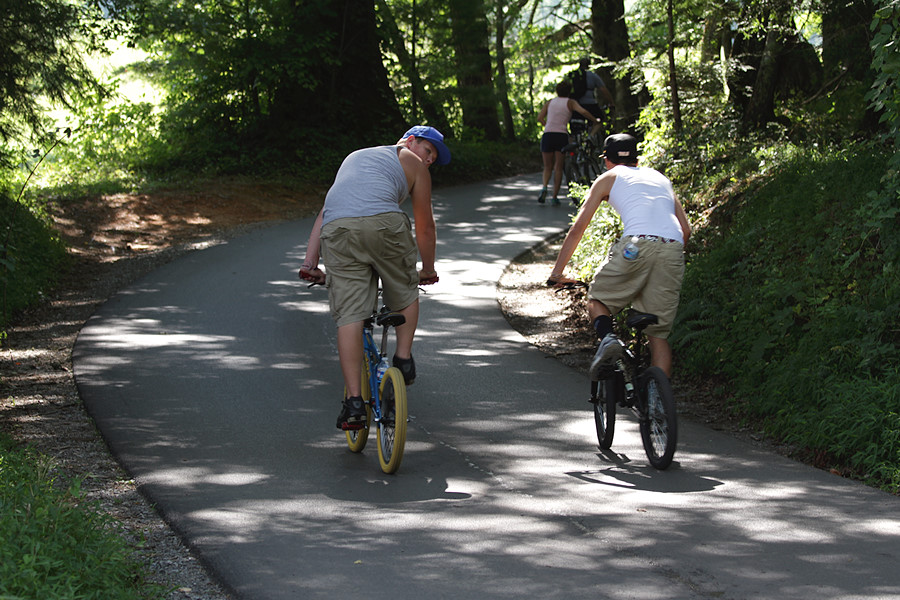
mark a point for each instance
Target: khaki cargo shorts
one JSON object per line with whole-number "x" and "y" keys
{"x": 651, "y": 283}
{"x": 357, "y": 252}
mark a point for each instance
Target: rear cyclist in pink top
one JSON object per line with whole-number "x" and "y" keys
{"x": 554, "y": 116}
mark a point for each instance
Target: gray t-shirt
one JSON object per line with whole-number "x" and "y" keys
{"x": 594, "y": 82}
{"x": 370, "y": 181}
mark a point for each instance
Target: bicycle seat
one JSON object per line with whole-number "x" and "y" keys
{"x": 391, "y": 319}
{"x": 639, "y": 320}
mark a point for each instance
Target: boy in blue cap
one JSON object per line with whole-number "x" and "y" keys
{"x": 363, "y": 235}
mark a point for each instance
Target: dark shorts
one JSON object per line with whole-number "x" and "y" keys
{"x": 554, "y": 141}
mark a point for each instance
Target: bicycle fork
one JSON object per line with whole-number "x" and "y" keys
{"x": 632, "y": 398}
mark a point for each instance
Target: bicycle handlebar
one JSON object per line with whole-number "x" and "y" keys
{"x": 566, "y": 285}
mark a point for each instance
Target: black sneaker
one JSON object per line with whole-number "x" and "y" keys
{"x": 407, "y": 366}
{"x": 353, "y": 414}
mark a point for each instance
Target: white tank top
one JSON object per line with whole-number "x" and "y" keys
{"x": 645, "y": 200}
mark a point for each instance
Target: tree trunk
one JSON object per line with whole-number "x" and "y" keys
{"x": 673, "y": 77}
{"x": 761, "y": 108}
{"x": 610, "y": 41}
{"x": 434, "y": 115}
{"x": 713, "y": 26}
{"x": 506, "y": 13}
{"x": 473, "y": 68}
{"x": 349, "y": 88}
{"x": 509, "y": 131}
{"x": 845, "y": 38}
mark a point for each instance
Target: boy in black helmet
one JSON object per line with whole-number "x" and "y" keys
{"x": 648, "y": 273}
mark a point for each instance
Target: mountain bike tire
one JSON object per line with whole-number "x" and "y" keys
{"x": 570, "y": 171}
{"x": 659, "y": 427}
{"x": 592, "y": 169}
{"x": 392, "y": 427}
{"x": 605, "y": 409}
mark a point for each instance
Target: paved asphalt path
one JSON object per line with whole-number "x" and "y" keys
{"x": 215, "y": 380}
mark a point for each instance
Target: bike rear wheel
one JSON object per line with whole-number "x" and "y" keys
{"x": 604, "y": 401}
{"x": 570, "y": 169}
{"x": 659, "y": 426}
{"x": 592, "y": 169}
{"x": 356, "y": 438}
{"x": 392, "y": 427}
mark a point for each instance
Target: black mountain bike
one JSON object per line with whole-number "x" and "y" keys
{"x": 635, "y": 384}
{"x": 644, "y": 389}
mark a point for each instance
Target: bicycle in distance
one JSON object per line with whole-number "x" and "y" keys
{"x": 383, "y": 392}
{"x": 633, "y": 383}
{"x": 582, "y": 163}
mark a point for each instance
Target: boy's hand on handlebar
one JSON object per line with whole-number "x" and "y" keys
{"x": 428, "y": 277}
{"x": 315, "y": 275}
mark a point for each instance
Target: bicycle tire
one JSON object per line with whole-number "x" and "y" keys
{"x": 392, "y": 427}
{"x": 357, "y": 438}
{"x": 592, "y": 169}
{"x": 579, "y": 167}
{"x": 659, "y": 426}
{"x": 569, "y": 170}
{"x": 605, "y": 409}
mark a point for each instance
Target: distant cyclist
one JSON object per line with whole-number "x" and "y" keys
{"x": 365, "y": 236}
{"x": 649, "y": 275}
{"x": 555, "y": 115}
{"x": 593, "y": 87}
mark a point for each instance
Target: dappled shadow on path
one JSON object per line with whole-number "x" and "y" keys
{"x": 220, "y": 393}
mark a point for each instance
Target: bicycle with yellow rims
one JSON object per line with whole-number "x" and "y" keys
{"x": 384, "y": 394}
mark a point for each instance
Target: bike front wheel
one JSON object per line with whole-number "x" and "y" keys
{"x": 570, "y": 169}
{"x": 356, "y": 438}
{"x": 659, "y": 423}
{"x": 392, "y": 427}
{"x": 604, "y": 400}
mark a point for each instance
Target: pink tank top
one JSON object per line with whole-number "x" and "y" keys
{"x": 558, "y": 115}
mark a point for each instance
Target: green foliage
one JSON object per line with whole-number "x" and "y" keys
{"x": 479, "y": 161}
{"x": 605, "y": 227}
{"x": 31, "y": 253}
{"x": 795, "y": 301}
{"x": 43, "y": 45}
{"x": 54, "y": 542}
{"x": 885, "y": 93}
{"x": 111, "y": 148}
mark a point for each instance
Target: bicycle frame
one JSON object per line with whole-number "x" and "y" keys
{"x": 633, "y": 382}
{"x": 644, "y": 389}
{"x": 385, "y": 395}
{"x": 581, "y": 164}
{"x": 373, "y": 354}
{"x": 635, "y": 360}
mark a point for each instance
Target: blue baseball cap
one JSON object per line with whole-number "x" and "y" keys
{"x": 435, "y": 137}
